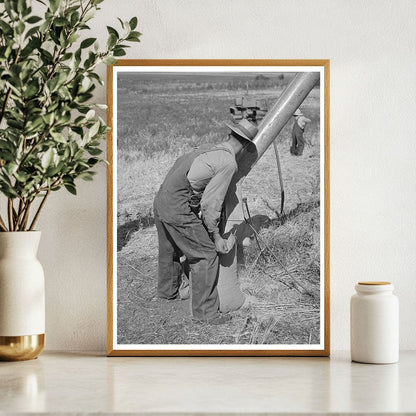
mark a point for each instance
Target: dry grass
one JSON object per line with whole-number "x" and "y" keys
{"x": 282, "y": 282}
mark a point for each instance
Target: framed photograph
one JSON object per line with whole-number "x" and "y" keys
{"x": 218, "y": 208}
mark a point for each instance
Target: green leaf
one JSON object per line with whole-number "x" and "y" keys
{"x": 46, "y": 57}
{"x": 31, "y": 32}
{"x": 92, "y": 161}
{"x": 87, "y": 42}
{"x": 73, "y": 38}
{"x": 53, "y": 83}
{"x": 54, "y": 4}
{"x": 31, "y": 90}
{"x": 121, "y": 22}
{"x": 77, "y": 59}
{"x": 8, "y": 52}
{"x": 82, "y": 166}
{"x": 61, "y": 21}
{"x": 8, "y": 191}
{"x": 35, "y": 125}
{"x": 86, "y": 176}
{"x": 94, "y": 129}
{"x": 11, "y": 168}
{"x": 63, "y": 119}
{"x": 110, "y": 60}
{"x": 52, "y": 171}
{"x": 16, "y": 124}
{"x": 63, "y": 41}
{"x": 64, "y": 93}
{"x": 70, "y": 188}
{"x": 85, "y": 85}
{"x": 5, "y": 28}
{"x": 89, "y": 15}
{"x": 63, "y": 75}
{"x": 67, "y": 56}
{"x": 96, "y": 77}
{"x": 77, "y": 130}
{"x": 27, "y": 52}
{"x": 27, "y": 11}
{"x": 112, "y": 41}
{"x": 70, "y": 10}
{"x": 47, "y": 158}
{"x": 123, "y": 46}
{"x": 94, "y": 151}
{"x": 33, "y": 19}
{"x": 48, "y": 118}
{"x": 58, "y": 137}
{"x": 119, "y": 52}
{"x": 134, "y": 36}
{"x": 20, "y": 28}
{"x": 92, "y": 57}
{"x": 10, "y": 8}
{"x": 21, "y": 177}
{"x": 67, "y": 153}
{"x": 74, "y": 18}
{"x": 78, "y": 154}
{"x": 4, "y": 145}
{"x": 21, "y": 6}
{"x": 80, "y": 120}
{"x": 90, "y": 114}
{"x": 133, "y": 23}
{"x": 111, "y": 30}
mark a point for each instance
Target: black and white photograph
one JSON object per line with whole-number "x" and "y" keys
{"x": 219, "y": 217}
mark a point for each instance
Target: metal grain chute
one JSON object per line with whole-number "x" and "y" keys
{"x": 231, "y": 296}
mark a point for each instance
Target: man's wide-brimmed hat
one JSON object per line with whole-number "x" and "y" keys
{"x": 245, "y": 129}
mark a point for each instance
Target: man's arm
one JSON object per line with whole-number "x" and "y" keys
{"x": 213, "y": 197}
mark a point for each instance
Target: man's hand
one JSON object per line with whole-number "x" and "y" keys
{"x": 220, "y": 244}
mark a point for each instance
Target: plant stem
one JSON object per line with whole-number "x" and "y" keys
{"x": 26, "y": 216}
{"x": 17, "y": 216}
{"x": 20, "y": 213}
{"x": 2, "y": 224}
{"x": 39, "y": 209}
{"x": 10, "y": 213}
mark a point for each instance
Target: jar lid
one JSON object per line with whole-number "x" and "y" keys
{"x": 374, "y": 283}
{"x": 373, "y": 287}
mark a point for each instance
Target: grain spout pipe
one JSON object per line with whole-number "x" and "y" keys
{"x": 231, "y": 296}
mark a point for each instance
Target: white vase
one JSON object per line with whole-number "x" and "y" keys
{"x": 22, "y": 296}
{"x": 374, "y": 323}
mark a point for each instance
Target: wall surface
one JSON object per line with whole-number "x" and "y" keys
{"x": 371, "y": 45}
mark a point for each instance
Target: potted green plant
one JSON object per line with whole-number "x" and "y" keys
{"x": 50, "y": 136}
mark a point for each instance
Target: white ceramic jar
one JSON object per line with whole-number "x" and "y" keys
{"x": 374, "y": 323}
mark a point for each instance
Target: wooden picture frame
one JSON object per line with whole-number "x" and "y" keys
{"x": 155, "y": 105}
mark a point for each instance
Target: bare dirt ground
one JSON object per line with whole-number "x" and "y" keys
{"x": 283, "y": 281}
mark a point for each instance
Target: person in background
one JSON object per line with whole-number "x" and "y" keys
{"x": 298, "y": 141}
{"x": 187, "y": 210}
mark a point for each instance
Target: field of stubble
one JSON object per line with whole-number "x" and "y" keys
{"x": 159, "y": 120}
